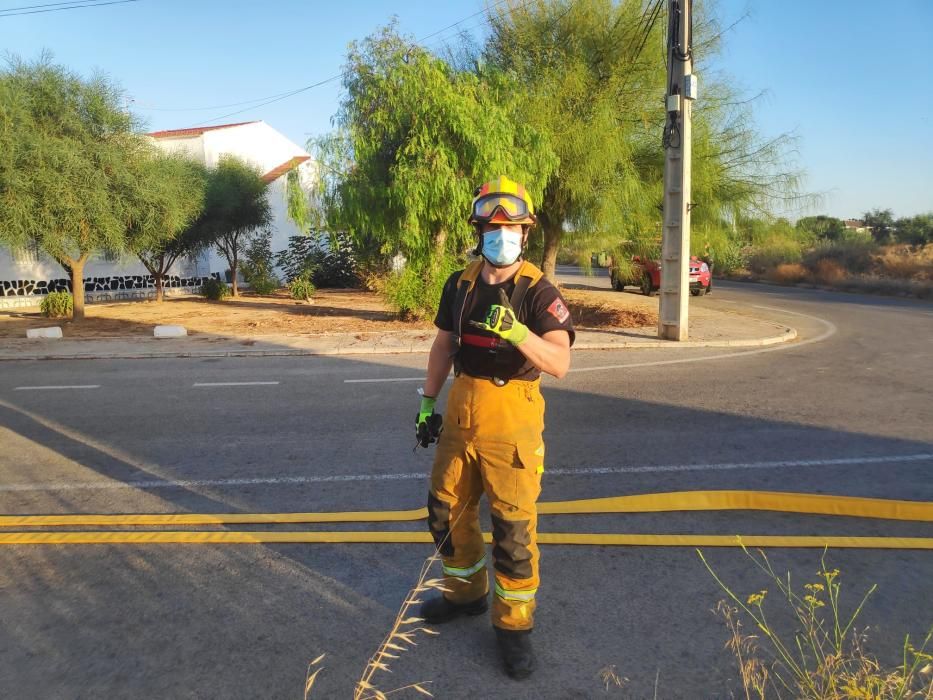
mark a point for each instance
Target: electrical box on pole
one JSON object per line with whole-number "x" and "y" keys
{"x": 682, "y": 89}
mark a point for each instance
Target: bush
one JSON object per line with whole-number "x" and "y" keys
{"x": 215, "y": 290}
{"x": 789, "y": 273}
{"x": 302, "y": 289}
{"x": 852, "y": 255}
{"x": 57, "y": 305}
{"x": 853, "y": 236}
{"x": 916, "y": 230}
{"x": 829, "y": 271}
{"x": 728, "y": 259}
{"x": 258, "y": 265}
{"x": 903, "y": 262}
{"x": 769, "y": 255}
{"x": 328, "y": 260}
{"x": 415, "y": 292}
{"x": 298, "y": 260}
{"x": 263, "y": 286}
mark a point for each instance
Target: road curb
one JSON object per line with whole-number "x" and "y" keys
{"x": 787, "y": 335}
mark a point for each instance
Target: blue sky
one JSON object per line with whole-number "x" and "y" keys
{"x": 845, "y": 76}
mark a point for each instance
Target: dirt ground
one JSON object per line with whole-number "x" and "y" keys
{"x": 332, "y": 311}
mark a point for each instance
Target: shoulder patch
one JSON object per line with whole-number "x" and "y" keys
{"x": 558, "y": 310}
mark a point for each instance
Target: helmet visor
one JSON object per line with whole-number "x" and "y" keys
{"x": 513, "y": 207}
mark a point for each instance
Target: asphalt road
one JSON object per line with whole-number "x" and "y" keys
{"x": 846, "y": 409}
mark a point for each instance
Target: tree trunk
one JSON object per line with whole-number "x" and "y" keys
{"x": 440, "y": 248}
{"x": 553, "y": 232}
{"x": 234, "y": 263}
{"x": 76, "y": 272}
{"x": 159, "y": 284}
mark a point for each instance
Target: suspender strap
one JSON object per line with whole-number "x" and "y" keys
{"x": 464, "y": 286}
{"x": 527, "y": 276}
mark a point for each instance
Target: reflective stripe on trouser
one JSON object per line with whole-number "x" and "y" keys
{"x": 491, "y": 444}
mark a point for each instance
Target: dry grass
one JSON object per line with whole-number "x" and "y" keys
{"x": 608, "y": 310}
{"x": 825, "y": 657}
{"x": 399, "y": 639}
{"x": 829, "y": 272}
{"x": 789, "y": 273}
{"x": 905, "y": 262}
{"x": 896, "y": 270}
{"x": 332, "y": 311}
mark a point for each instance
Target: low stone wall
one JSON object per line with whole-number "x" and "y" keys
{"x": 24, "y": 294}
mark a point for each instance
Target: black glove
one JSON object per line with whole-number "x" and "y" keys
{"x": 428, "y": 428}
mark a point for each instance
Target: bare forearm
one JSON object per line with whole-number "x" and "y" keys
{"x": 550, "y": 353}
{"x": 439, "y": 364}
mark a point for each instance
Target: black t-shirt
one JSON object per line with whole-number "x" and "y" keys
{"x": 543, "y": 310}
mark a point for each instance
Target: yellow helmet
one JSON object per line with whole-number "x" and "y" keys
{"x": 502, "y": 201}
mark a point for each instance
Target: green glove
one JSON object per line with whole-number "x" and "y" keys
{"x": 501, "y": 320}
{"x": 428, "y": 424}
{"x": 427, "y": 408}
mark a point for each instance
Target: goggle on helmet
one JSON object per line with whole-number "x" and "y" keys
{"x": 501, "y": 201}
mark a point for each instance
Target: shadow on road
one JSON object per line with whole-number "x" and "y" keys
{"x": 243, "y": 621}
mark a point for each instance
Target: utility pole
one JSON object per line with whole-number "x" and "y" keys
{"x": 675, "y": 237}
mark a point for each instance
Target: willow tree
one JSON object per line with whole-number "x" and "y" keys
{"x": 69, "y": 160}
{"x": 589, "y": 89}
{"x": 160, "y": 229}
{"x": 420, "y": 136}
{"x": 594, "y": 81}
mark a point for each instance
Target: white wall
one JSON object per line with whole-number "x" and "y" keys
{"x": 29, "y": 267}
{"x": 257, "y": 143}
{"x": 266, "y": 149}
{"x": 191, "y": 146}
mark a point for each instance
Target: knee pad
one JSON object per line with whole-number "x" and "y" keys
{"x": 511, "y": 553}
{"x": 439, "y": 524}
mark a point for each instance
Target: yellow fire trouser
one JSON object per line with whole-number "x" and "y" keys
{"x": 491, "y": 444}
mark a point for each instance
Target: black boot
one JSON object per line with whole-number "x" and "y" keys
{"x": 439, "y": 610}
{"x": 516, "y": 651}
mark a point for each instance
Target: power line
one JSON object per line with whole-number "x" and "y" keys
{"x": 50, "y": 4}
{"x": 451, "y": 26}
{"x": 210, "y": 107}
{"x": 29, "y": 11}
{"x": 289, "y": 93}
{"x": 286, "y": 95}
{"x": 651, "y": 22}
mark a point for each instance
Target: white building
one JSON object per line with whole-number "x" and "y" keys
{"x": 25, "y": 276}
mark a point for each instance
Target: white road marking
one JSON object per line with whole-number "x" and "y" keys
{"x": 829, "y": 330}
{"x": 50, "y": 388}
{"x": 203, "y": 384}
{"x": 414, "y": 476}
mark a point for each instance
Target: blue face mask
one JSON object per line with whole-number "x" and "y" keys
{"x": 502, "y": 248}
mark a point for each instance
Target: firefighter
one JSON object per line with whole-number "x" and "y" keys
{"x": 500, "y": 325}
{"x": 709, "y": 257}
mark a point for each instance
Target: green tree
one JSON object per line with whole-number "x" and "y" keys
{"x": 915, "y": 230}
{"x": 823, "y": 227}
{"x": 881, "y": 223}
{"x": 584, "y": 85}
{"x": 593, "y": 82}
{"x": 236, "y": 209}
{"x": 160, "y": 230}
{"x": 69, "y": 164}
{"x": 422, "y": 137}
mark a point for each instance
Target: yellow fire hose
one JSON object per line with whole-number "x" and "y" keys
{"x": 812, "y": 504}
